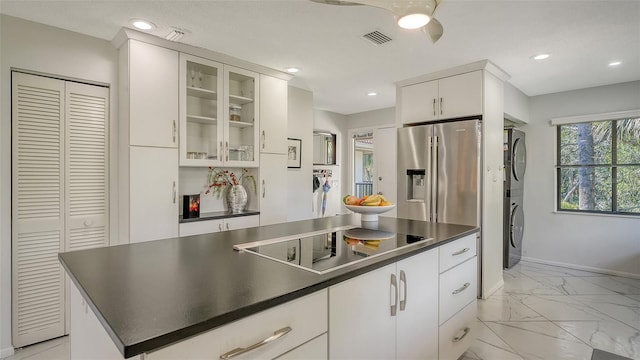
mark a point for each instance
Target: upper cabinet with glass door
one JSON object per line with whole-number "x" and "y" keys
{"x": 201, "y": 112}
{"x": 218, "y": 117}
{"x": 241, "y": 115}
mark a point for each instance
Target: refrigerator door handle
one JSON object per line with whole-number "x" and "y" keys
{"x": 434, "y": 174}
{"x": 429, "y": 178}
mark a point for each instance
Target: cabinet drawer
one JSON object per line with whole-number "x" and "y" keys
{"x": 241, "y": 222}
{"x": 200, "y": 227}
{"x": 458, "y": 287}
{"x": 456, "y": 252}
{"x": 457, "y": 334}
{"x": 316, "y": 349}
{"x": 307, "y": 318}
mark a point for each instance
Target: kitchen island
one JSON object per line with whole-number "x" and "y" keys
{"x": 151, "y": 297}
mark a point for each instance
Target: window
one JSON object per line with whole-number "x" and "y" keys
{"x": 598, "y": 167}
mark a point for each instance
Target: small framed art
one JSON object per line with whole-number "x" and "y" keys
{"x": 294, "y": 151}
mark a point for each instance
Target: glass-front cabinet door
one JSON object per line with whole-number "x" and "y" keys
{"x": 241, "y": 113}
{"x": 201, "y": 112}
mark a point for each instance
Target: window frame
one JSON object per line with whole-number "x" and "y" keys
{"x": 613, "y": 165}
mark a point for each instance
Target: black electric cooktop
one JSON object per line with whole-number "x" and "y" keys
{"x": 321, "y": 252}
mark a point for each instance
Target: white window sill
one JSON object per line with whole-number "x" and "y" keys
{"x": 560, "y": 212}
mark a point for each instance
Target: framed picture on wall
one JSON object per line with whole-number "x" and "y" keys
{"x": 294, "y": 151}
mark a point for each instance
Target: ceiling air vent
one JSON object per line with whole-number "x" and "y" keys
{"x": 376, "y": 38}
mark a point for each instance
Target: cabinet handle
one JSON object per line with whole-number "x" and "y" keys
{"x": 460, "y": 252}
{"x": 263, "y": 189}
{"x": 441, "y": 110}
{"x": 227, "y": 151}
{"x": 461, "y": 289}
{"x": 239, "y": 351}
{"x": 173, "y": 132}
{"x": 227, "y": 224}
{"x": 459, "y": 338}
{"x": 394, "y": 289}
{"x": 434, "y": 106}
{"x": 220, "y": 227}
{"x": 174, "y": 192}
{"x": 220, "y": 151}
{"x": 263, "y": 139}
{"x": 403, "y": 300}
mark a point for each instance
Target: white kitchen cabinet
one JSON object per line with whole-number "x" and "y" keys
{"x": 273, "y": 188}
{"x": 153, "y": 198}
{"x": 298, "y": 321}
{"x": 457, "y": 334}
{"x": 447, "y": 98}
{"x": 153, "y": 95}
{"x": 389, "y": 313}
{"x": 273, "y": 115}
{"x": 217, "y": 225}
{"x": 458, "y": 287}
{"x": 201, "y": 112}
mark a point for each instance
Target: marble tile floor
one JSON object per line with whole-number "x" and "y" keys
{"x": 550, "y": 312}
{"x": 543, "y": 312}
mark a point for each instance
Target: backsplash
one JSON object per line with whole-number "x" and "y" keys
{"x": 193, "y": 180}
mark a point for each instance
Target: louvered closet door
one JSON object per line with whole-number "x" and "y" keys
{"x": 86, "y": 165}
{"x": 37, "y": 208}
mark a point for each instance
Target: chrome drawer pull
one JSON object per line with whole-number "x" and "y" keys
{"x": 403, "y": 279}
{"x": 459, "y": 338}
{"x": 394, "y": 285}
{"x": 460, "y": 252}
{"x": 239, "y": 351}
{"x": 463, "y": 288}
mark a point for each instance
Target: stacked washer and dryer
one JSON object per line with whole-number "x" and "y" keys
{"x": 515, "y": 161}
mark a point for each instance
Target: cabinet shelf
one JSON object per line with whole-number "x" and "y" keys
{"x": 202, "y": 119}
{"x": 239, "y": 100}
{"x": 202, "y": 93}
{"x": 240, "y": 124}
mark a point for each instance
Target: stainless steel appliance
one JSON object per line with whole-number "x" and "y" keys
{"x": 438, "y": 178}
{"x": 515, "y": 161}
{"x": 438, "y": 175}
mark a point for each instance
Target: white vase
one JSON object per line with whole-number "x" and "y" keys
{"x": 236, "y": 197}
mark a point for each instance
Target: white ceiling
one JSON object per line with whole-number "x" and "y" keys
{"x": 341, "y": 68}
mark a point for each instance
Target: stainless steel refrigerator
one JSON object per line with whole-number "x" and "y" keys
{"x": 438, "y": 178}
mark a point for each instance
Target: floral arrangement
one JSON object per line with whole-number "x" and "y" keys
{"x": 219, "y": 180}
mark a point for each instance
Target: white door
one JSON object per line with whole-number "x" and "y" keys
{"x": 153, "y": 178}
{"x": 273, "y": 115}
{"x": 385, "y": 165}
{"x": 417, "y": 322}
{"x": 419, "y": 102}
{"x": 460, "y": 95}
{"x": 360, "y": 322}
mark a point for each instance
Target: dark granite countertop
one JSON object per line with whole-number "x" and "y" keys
{"x": 152, "y": 294}
{"x": 218, "y": 215}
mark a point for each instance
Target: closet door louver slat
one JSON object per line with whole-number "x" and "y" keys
{"x": 37, "y": 208}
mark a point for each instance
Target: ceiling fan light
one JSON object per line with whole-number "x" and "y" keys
{"x": 413, "y": 20}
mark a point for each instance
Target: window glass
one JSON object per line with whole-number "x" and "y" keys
{"x": 629, "y": 189}
{"x": 585, "y": 143}
{"x": 628, "y": 148}
{"x": 585, "y": 188}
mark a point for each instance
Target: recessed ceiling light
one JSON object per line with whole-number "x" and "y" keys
{"x": 142, "y": 24}
{"x": 413, "y": 20}
{"x": 540, "y": 56}
{"x": 292, "y": 69}
{"x": 615, "y": 63}
{"x": 372, "y": 93}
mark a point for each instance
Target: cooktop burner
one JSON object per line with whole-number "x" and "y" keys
{"x": 325, "y": 251}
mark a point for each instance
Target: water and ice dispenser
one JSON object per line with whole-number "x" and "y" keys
{"x": 416, "y": 184}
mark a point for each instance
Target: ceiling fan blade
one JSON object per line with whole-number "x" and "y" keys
{"x": 434, "y": 30}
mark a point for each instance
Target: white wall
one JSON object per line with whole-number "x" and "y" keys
{"x": 516, "y": 104}
{"x": 300, "y": 190}
{"x": 608, "y": 243}
{"x": 372, "y": 119}
{"x": 36, "y": 47}
{"x": 337, "y": 124}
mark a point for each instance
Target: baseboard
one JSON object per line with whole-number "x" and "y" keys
{"x": 496, "y": 287}
{"x": 581, "y": 267}
{"x": 6, "y": 352}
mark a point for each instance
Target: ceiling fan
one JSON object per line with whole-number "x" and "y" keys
{"x": 410, "y": 14}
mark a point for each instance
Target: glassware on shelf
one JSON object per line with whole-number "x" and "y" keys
{"x": 192, "y": 72}
{"x": 200, "y": 79}
{"x": 235, "y": 112}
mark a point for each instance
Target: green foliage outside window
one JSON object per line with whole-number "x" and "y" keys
{"x": 599, "y": 166}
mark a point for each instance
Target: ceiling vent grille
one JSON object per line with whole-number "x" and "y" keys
{"x": 377, "y": 38}
{"x": 175, "y": 35}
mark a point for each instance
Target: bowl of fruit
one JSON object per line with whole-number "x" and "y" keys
{"x": 368, "y": 206}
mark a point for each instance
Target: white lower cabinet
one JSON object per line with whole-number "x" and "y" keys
{"x": 389, "y": 313}
{"x": 316, "y": 349}
{"x": 217, "y": 225}
{"x": 297, "y": 321}
{"x": 273, "y": 188}
{"x": 457, "y": 334}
